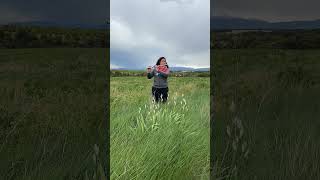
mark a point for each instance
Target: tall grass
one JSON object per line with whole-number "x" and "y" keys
{"x": 276, "y": 103}
{"x": 52, "y": 112}
{"x": 159, "y": 141}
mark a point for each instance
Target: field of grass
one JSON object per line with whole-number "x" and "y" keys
{"x": 266, "y": 114}
{"x": 52, "y": 112}
{"x": 164, "y": 141}
{"x": 266, "y": 118}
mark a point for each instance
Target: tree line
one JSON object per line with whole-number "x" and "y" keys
{"x": 280, "y": 39}
{"x": 14, "y": 36}
{"x": 17, "y": 36}
{"x": 121, "y": 73}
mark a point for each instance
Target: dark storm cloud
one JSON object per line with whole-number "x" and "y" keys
{"x": 68, "y": 11}
{"x": 270, "y": 10}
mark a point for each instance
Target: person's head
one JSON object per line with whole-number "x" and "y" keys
{"x": 162, "y": 61}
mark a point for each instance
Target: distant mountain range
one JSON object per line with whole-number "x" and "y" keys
{"x": 177, "y": 68}
{"x": 228, "y": 23}
{"x": 64, "y": 25}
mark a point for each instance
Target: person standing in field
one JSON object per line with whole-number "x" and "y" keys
{"x": 160, "y": 72}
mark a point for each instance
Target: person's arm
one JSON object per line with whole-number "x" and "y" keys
{"x": 150, "y": 74}
{"x": 164, "y": 74}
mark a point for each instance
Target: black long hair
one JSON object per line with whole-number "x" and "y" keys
{"x": 158, "y": 61}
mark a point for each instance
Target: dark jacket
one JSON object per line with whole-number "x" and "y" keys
{"x": 160, "y": 78}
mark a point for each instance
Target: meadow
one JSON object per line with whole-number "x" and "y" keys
{"x": 159, "y": 141}
{"x": 266, "y": 112}
{"x": 53, "y": 113}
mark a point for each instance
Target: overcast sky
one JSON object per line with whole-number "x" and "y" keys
{"x": 66, "y": 11}
{"x": 144, "y": 30}
{"x": 96, "y": 11}
{"x": 270, "y": 10}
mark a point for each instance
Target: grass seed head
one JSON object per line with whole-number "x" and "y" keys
{"x": 94, "y": 158}
{"x": 232, "y": 107}
{"x": 229, "y": 131}
{"x": 244, "y": 145}
{"x": 247, "y": 153}
{"x": 96, "y": 149}
{"x": 234, "y": 145}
